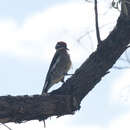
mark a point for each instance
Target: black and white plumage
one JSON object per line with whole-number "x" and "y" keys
{"x": 59, "y": 66}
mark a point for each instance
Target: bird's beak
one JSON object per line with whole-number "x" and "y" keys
{"x": 67, "y": 49}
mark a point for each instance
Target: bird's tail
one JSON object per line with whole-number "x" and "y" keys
{"x": 46, "y": 87}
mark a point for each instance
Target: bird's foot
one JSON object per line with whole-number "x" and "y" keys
{"x": 63, "y": 80}
{"x": 45, "y": 94}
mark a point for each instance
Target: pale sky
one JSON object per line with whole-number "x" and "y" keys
{"x": 29, "y": 31}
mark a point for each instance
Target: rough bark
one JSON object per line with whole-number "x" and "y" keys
{"x": 68, "y": 97}
{"x": 25, "y": 108}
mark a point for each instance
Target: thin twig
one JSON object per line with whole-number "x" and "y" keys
{"x": 96, "y": 20}
{"x": 123, "y": 59}
{"x": 6, "y": 126}
{"x": 91, "y": 31}
{"x": 44, "y": 123}
{"x": 127, "y": 57}
{"x": 121, "y": 68}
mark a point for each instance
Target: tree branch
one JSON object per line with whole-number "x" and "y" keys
{"x": 25, "y": 108}
{"x": 68, "y": 97}
{"x": 6, "y": 126}
{"x": 96, "y": 21}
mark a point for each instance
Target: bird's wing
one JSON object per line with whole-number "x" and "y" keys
{"x": 48, "y": 77}
{"x": 54, "y": 61}
{"x": 52, "y": 65}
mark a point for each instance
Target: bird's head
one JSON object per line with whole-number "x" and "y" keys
{"x": 61, "y": 45}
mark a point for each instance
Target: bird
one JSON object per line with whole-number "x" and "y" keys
{"x": 60, "y": 65}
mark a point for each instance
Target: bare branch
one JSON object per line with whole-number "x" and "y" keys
{"x": 96, "y": 20}
{"x": 127, "y": 57}
{"x": 6, "y": 126}
{"x": 67, "y": 99}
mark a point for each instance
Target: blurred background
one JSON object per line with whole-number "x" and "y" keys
{"x": 29, "y": 30}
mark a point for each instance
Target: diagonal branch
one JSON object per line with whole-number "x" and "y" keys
{"x": 68, "y": 97}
